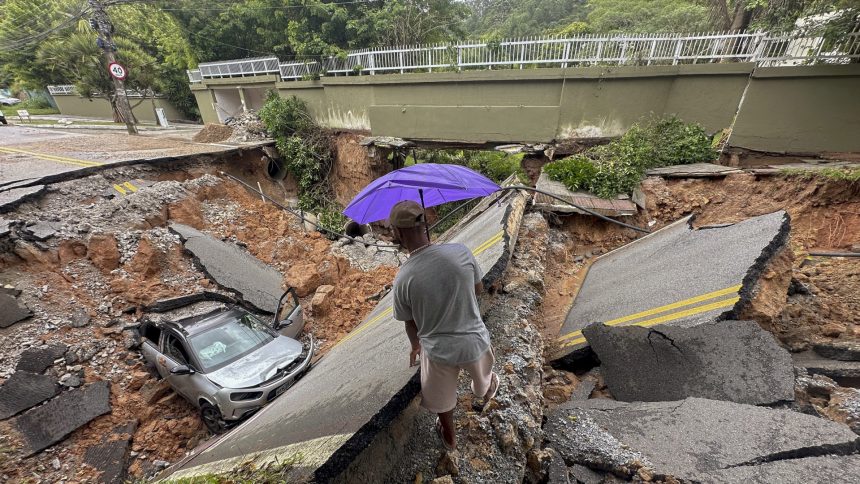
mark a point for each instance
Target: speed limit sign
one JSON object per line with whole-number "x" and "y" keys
{"x": 117, "y": 71}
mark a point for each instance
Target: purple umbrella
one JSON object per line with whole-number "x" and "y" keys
{"x": 430, "y": 184}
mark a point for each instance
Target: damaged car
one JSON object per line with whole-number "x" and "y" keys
{"x": 229, "y": 363}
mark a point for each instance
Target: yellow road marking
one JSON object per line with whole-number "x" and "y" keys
{"x": 663, "y": 309}
{"x": 478, "y": 250}
{"x": 120, "y": 189}
{"x": 130, "y": 186}
{"x": 55, "y": 158}
{"x": 671, "y": 317}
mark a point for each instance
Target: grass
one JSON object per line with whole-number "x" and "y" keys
{"x": 839, "y": 174}
{"x": 12, "y": 111}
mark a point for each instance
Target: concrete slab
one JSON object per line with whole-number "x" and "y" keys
{"x": 11, "y": 311}
{"x": 37, "y": 360}
{"x": 111, "y": 455}
{"x": 677, "y": 276}
{"x": 165, "y": 305}
{"x": 829, "y": 469}
{"x": 610, "y": 207}
{"x": 838, "y": 350}
{"x": 48, "y": 424}
{"x": 736, "y": 361}
{"x": 358, "y": 388}
{"x": 23, "y": 390}
{"x": 234, "y": 269}
{"x": 41, "y": 231}
{"x": 10, "y": 199}
{"x": 693, "y": 170}
{"x": 690, "y": 438}
{"x": 835, "y": 369}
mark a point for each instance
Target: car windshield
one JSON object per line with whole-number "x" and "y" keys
{"x": 228, "y": 342}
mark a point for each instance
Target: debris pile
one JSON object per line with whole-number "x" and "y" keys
{"x": 247, "y": 127}
{"x": 213, "y": 133}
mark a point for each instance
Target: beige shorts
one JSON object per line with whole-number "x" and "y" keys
{"x": 439, "y": 381}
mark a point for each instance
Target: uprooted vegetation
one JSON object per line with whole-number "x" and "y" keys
{"x": 617, "y": 168}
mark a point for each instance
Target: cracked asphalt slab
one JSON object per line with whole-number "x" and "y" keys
{"x": 678, "y": 275}
{"x": 696, "y": 439}
{"x": 355, "y": 390}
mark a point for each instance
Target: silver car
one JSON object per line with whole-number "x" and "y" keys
{"x": 229, "y": 363}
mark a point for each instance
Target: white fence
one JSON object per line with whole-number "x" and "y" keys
{"x": 64, "y": 89}
{"x": 761, "y": 48}
{"x": 68, "y": 89}
{"x": 240, "y": 68}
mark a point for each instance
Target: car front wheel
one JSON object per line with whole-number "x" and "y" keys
{"x": 211, "y": 417}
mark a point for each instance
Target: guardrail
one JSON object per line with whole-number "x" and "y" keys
{"x": 63, "y": 89}
{"x": 759, "y": 47}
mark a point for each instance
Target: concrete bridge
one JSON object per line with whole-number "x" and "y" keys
{"x": 797, "y": 109}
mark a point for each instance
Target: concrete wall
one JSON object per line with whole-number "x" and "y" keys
{"x": 787, "y": 109}
{"x": 801, "y": 109}
{"x": 74, "y": 105}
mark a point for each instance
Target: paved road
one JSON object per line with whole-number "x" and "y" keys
{"x": 27, "y": 154}
{"x": 354, "y": 391}
{"x": 674, "y": 276}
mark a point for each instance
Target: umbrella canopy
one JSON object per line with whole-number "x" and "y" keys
{"x": 430, "y": 184}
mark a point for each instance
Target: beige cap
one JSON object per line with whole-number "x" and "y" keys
{"x": 406, "y": 214}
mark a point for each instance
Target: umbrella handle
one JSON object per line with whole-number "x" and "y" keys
{"x": 426, "y": 225}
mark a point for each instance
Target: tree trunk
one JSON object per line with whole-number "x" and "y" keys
{"x": 742, "y": 17}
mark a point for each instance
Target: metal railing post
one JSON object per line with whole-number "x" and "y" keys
{"x": 459, "y": 58}
{"x": 565, "y": 55}
{"x": 400, "y": 55}
{"x": 677, "y": 52}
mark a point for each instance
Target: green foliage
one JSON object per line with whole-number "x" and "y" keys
{"x": 518, "y": 18}
{"x": 618, "y": 166}
{"x": 247, "y": 473}
{"x": 851, "y": 175}
{"x": 306, "y": 150}
{"x": 495, "y": 165}
{"x": 648, "y": 16}
{"x": 34, "y": 104}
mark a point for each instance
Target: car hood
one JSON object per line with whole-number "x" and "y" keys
{"x": 258, "y": 366}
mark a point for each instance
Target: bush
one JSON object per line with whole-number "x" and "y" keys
{"x": 494, "y": 165}
{"x": 617, "y": 167}
{"x": 286, "y": 117}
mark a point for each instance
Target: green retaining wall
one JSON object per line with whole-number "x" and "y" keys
{"x": 786, "y": 109}
{"x": 74, "y": 105}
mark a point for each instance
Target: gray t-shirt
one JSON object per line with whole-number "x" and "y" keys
{"x": 436, "y": 288}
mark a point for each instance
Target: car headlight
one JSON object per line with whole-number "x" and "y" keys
{"x": 241, "y": 396}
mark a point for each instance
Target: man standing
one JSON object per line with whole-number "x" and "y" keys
{"x": 435, "y": 293}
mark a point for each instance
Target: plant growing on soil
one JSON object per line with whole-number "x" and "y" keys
{"x": 306, "y": 150}
{"x": 618, "y": 166}
{"x": 848, "y": 174}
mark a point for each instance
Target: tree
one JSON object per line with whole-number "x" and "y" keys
{"x": 648, "y": 16}
{"x": 503, "y": 19}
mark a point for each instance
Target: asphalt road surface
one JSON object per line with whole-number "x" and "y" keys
{"x": 28, "y": 154}
{"x": 354, "y": 391}
{"x": 675, "y": 276}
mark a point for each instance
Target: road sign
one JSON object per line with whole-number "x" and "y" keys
{"x": 117, "y": 71}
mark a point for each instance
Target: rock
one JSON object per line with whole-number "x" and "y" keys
{"x": 557, "y": 471}
{"x": 833, "y": 330}
{"x": 160, "y": 464}
{"x": 839, "y": 350}
{"x": 46, "y": 425}
{"x": 131, "y": 340}
{"x": 583, "y": 390}
{"x": 723, "y": 360}
{"x": 153, "y": 390}
{"x": 447, "y": 465}
{"x": 11, "y": 311}
{"x": 689, "y": 439}
{"x": 37, "y": 360}
{"x": 855, "y": 248}
{"x": 585, "y": 475}
{"x": 187, "y": 211}
{"x": 79, "y": 320}
{"x": 321, "y": 302}
{"x": 56, "y": 464}
{"x": 442, "y": 480}
{"x": 103, "y": 251}
{"x": 233, "y": 268}
{"x": 73, "y": 381}
{"x": 24, "y": 390}
{"x": 304, "y": 278}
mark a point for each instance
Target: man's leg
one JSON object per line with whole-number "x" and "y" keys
{"x": 449, "y": 433}
{"x": 484, "y": 381}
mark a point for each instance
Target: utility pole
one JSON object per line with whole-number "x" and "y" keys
{"x": 105, "y": 30}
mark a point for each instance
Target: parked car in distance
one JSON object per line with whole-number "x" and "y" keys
{"x": 228, "y": 362}
{"x": 9, "y": 101}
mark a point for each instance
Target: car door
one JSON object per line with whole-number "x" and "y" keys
{"x": 150, "y": 346}
{"x": 175, "y": 354}
{"x": 289, "y": 320}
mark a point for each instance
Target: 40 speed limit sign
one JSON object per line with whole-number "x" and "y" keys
{"x": 118, "y": 71}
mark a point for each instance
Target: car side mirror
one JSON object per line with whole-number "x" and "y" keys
{"x": 181, "y": 370}
{"x": 284, "y": 323}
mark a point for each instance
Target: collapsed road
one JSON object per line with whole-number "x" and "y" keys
{"x": 677, "y": 275}
{"x": 330, "y": 416}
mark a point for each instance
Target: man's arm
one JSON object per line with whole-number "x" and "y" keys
{"x": 412, "y": 333}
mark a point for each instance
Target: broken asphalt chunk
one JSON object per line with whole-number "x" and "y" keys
{"x": 233, "y": 268}
{"x": 24, "y": 390}
{"x": 111, "y": 455}
{"x": 818, "y": 365}
{"x": 37, "y": 360}
{"x": 9, "y": 199}
{"x": 48, "y": 424}
{"x": 691, "y": 439}
{"x": 11, "y": 311}
{"x": 830, "y": 469}
{"x": 41, "y": 231}
{"x": 735, "y": 361}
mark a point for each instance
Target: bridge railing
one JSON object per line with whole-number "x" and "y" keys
{"x": 583, "y": 50}
{"x": 62, "y": 89}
